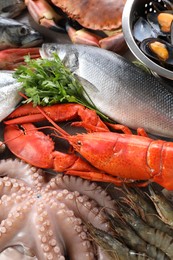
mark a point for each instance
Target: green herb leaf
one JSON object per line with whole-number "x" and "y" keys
{"x": 46, "y": 82}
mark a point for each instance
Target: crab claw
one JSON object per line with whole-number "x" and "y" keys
{"x": 115, "y": 42}
{"x": 82, "y": 36}
{"x": 12, "y": 58}
{"x": 43, "y": 14}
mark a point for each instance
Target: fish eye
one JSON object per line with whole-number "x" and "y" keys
{"x": 23, "y": 30}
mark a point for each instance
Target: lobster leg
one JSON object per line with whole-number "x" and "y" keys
{"x": 59, "y": 113}
{"x": 98, "y": 176}
{"x": 73, "y": 165}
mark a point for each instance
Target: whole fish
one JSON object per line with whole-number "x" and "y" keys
{"x": 118, "y": 88}
{"x": 11, "y": 8}
{"x": 9, "y": 93}
{"x": 14, "y": 34}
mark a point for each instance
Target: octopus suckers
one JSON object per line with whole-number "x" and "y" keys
{"x": 3, "y": 230}
{"x": 49, "y": 215}
{"x": 83, "y": 235}
{"x": 8, "y": 184}
{"x": 52, "y": 242}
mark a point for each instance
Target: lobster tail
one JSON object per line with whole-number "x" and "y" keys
{"x": 165, "y": 175}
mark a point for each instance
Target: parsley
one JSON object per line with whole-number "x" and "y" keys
{"x": 47, "y": 82}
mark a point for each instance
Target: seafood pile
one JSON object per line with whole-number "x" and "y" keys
{"x": 86, "y": 27}
{"x": 142, "y": 223}
{"x": 106, "y": 156}
{"x": 153, "y": 32}
{"x": 71, "y": 218}
{"x": 48, "y": 218}
{"x": 109, "y": 79}
{"x": 14, "y": 34}
{"x": 94, "y": 16}
{"x": 65, "y": 214}
{"x": 42, "y": 16}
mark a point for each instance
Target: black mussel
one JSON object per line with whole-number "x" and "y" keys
{"x": 142, "y": 30}
{"x": 161, "y": 22}
{"x": 159, "y": 51}
{"x": 164, "y": 20}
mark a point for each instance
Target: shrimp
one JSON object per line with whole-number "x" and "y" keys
{"x": 162, "y": 205}
{"x": 145, "y": 209}
{"x": 151, "y": 235}
{"x": 132, "y": 240}
{"x": 114, "y": 248}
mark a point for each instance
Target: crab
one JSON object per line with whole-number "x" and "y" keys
{"x": 99, "y": 20}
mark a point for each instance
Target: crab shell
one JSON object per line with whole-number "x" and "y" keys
{"x": 94, "y": 14}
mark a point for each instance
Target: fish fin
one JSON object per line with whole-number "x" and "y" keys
{"x": 86, "y": 84}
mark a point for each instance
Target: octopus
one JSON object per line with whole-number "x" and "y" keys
{"x": 43, "y": 217}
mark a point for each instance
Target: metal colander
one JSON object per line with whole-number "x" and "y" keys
{"x": 134, "y": 9}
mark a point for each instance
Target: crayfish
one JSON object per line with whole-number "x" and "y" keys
{"x": 100, "y": 155}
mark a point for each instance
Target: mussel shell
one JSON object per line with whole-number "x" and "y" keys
{"x": 152, "y": 19}
{"x": 144, "y": 46}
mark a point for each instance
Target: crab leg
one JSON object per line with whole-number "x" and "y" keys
{"x": 115, "y": 43}
{"x": 43, "y": 14}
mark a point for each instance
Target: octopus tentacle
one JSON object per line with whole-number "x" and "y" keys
{"x": 46, "y": 245}
{"x": 15, "y": 254}
{"x": 18, "y": 169}
{"x": 50, "y": 215}
{"x": 10, "y": 186}
{"x": 74, "y": 235}
{"x": 92, "y": 190}
{"x": 85, "y": 208}
{"x": 12, "y": 228}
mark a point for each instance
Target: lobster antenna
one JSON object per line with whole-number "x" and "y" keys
{"x": 58, "y": 128}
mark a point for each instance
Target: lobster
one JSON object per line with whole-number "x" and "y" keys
{"x": 100, "y": 155}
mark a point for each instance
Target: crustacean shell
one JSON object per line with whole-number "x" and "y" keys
{"x": 94, "y": 14}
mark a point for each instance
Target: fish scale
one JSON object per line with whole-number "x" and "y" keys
{"x": 118, "y": 88}
{"x": 9, "y": 97}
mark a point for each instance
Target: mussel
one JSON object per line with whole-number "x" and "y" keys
{"x": 153, "y": 32}
{"x": 159, "y": 51}
{"x": 165, "y": 20}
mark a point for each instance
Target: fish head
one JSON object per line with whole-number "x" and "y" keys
{"x": 15, "y": 34}
{"x": 29, "y": 37}
{"x": 68, "y": 54}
